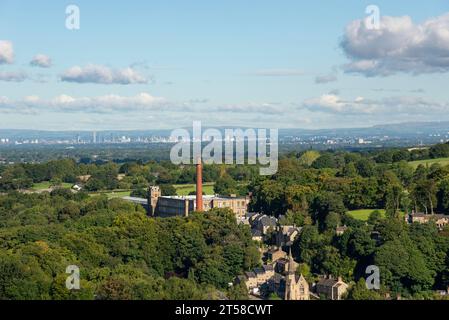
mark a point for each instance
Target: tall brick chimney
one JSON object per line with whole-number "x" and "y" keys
{"x": 199, "y": 186}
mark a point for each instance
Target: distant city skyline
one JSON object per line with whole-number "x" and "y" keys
{"x": 277, "y": 64}
{"x": 403, "y": 135}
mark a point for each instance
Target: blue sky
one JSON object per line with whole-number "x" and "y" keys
{"x": 161, "y": 64}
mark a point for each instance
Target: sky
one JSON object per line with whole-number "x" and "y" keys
{"x": 254, "y": 63}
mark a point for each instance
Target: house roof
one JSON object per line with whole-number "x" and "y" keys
{"x": 277, "y": 278}
{"x": 259, "y": 270}
{"x": 250, "y": 214}
{"x": 429, "y": 216}
{"x": 327, "y": 282}
{"x": 268, "y": 267}
{"x": 298, "y": 277}
{"x": 291, "y": 231}
{"x": 255, "y": 217}
{"x": 268, "y": 221}
{"x": 136, "y": 200}
{"x": 282, "y": 261}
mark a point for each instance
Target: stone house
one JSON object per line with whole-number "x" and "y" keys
{"x": 440, "y": 220}
{"x": 332, "y": 289}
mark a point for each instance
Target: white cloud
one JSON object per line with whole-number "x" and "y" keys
{"x": 129, "y": 108}
{"x": 257, "y": 108}
{"x": 101, "y": 104}
{"x": 13, "y": 76}
{"x": 140, "y": 103}
{"x": 8, "y": 106}
{"x": 4, "y": 101}
{"x": 6, "y": 52}
{"x": 333, "y": 104}
{"x": 103, "y": 75}
{"x": 402, "y": 105}
{"x": 21, "y": 76}
{"x": 41, "y": 60}
{"x": 399, "y": 46}
{"x": 108, "y": 103}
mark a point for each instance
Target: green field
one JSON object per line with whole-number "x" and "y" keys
{"x": 47, "y": 185}
{"x": 363, "y": 214}
{"x": 185, "y": 189}
{"x": 442, "y": 161}
{"x": 112, "y": 194}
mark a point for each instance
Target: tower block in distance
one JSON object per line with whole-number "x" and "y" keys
{"x": 199, "y": 186}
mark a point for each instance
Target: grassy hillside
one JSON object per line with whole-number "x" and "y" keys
{"x": 442, "y": 161}
{"x": 47, "y": 185}
{"x": 112, "y": 194}
{"x": 363, "y": 214}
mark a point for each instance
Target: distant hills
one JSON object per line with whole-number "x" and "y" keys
{"x": 410, "y": 129}
{"x": 405, "y": 128}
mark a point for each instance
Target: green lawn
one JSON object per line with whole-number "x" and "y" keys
{"x": 47, "y": 185}
{"x": 442, "y": 161}
{"x": 185, "y": 189}
{"x": 363, "y": 214}
{"x": 112, "y": 194}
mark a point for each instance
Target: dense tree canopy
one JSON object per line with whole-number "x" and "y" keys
{"x": 121, "y": 253}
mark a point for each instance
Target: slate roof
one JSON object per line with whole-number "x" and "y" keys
{"x": 268, "y": 267}
{"x": 259, "y": 270}
{"x": 277, "y": 278}
{"x": 250, "y": 214}
{"x": 268, "y": 221}
{"x": 327, "y": 282}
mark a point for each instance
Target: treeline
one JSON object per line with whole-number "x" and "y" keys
{"x": 162, "y": 172}
{"x": 437, "y": 151}
{"x": 357, "y": 181}
{"x": 384, "y": 155}
{"x": 88, "y": 153}
{"x": 134, "y": 175}
{"x": 121, "y": 253}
